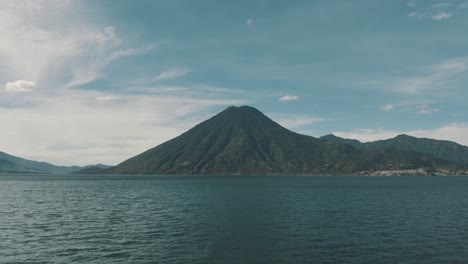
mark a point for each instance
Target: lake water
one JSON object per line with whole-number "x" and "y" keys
{"x": 175, "y": 219}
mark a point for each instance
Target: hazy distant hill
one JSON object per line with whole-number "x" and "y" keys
{"x": 242, "y": 140}
{"x": 10, "y": 167}
{"x": 12, "y": 164}
{"x": 92, "y": 169}
{"x": 24, "y": 165}
{"x": 447, "y": 150}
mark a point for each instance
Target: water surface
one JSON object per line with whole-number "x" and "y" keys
{"x": 176, "y": 219}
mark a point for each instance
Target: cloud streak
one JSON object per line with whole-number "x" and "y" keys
{"x": 171, "y": 74}
{"x": 288, "y": 98}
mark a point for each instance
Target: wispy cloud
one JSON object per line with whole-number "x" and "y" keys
{"x": 217, "y": 89}
{"x": 288, "y": 98}
{"x": 431, "y": 77}
{"x": 296, "y": 121}
{"x": 56, "y": 49}
{"x": 463, "y": 5}
{"x": 171, "y": 74}
{"x": 188, "y": 89}
{"x": 20, "y": 86}
{"x": 412, "y": 4}
{"x": 442, "y": 15}
{"x": 97, "y": 53}
{"x": 249, "y": 22}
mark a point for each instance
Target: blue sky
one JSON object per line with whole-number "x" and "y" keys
{"x": 101, "y": 81}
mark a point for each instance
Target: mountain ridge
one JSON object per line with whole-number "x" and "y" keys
{"x": 444, "y": 149}
{"x": 244, "y": 141}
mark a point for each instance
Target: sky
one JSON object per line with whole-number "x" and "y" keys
{"x": 86, "y": 82}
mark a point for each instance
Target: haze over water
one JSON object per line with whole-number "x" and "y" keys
{"x": 175, "y": 219}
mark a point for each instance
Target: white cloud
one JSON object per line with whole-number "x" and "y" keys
{"x": 249, "y": 22}
{"x": 412, "y": 4}
{"x": 288, "y": 98}
{"x": 418, "y": 15}
{"x": 442, "y": 15}
{"x": 387, "y": 107}
{"x": 20, "y": 86}
{"x": 456, "y": 132}
{"x": 463, "y": 5}
{"x": 171, "y": 74}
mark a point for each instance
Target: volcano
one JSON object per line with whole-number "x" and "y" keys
{"x": 243, "y": 141}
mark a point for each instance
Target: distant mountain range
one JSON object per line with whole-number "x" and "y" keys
{"x": 243, "y": 141}
{"x": 446, "y": 150}
{"x": 12, "y": 164}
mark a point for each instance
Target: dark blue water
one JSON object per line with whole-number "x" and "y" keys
{"x": 144, "y": 219}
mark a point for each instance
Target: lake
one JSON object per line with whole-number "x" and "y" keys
{"x": 204, "y": 219}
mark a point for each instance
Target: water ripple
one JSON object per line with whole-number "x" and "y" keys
{"x": 143, "y": 219}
